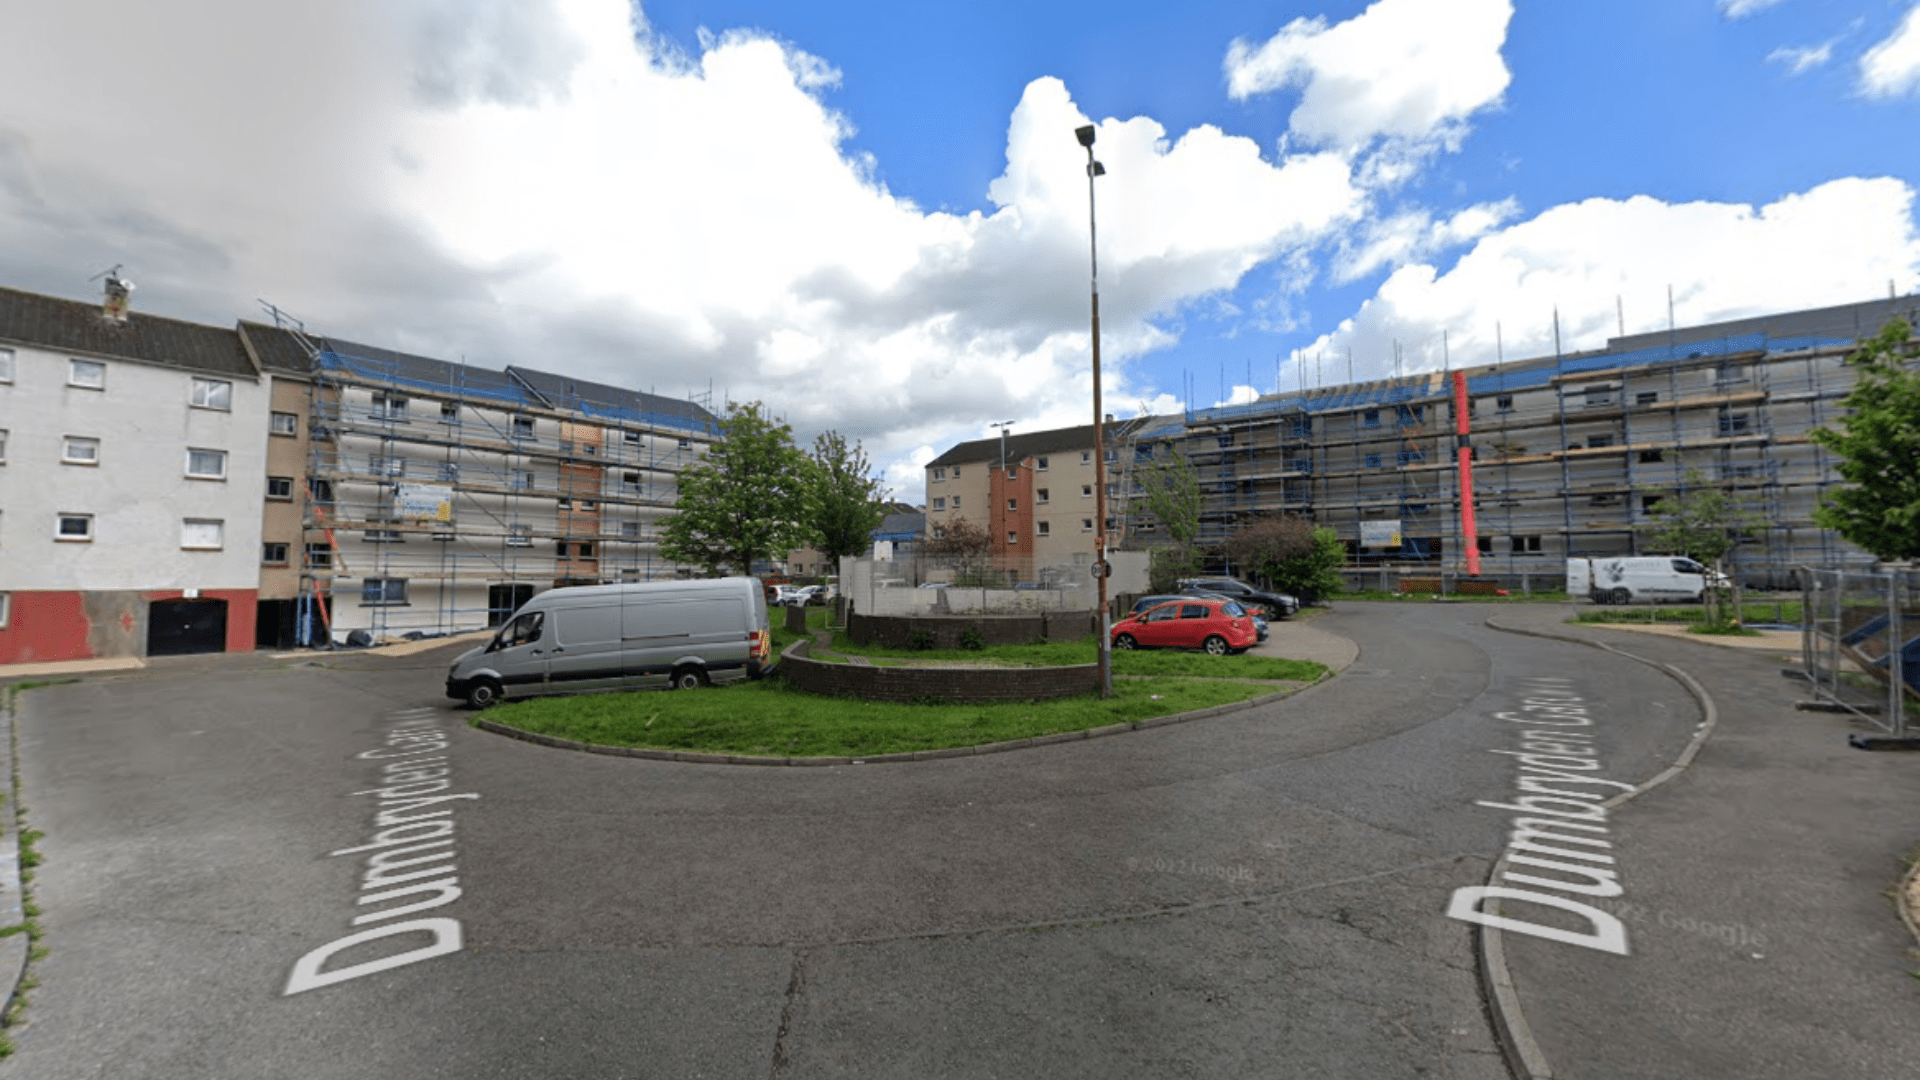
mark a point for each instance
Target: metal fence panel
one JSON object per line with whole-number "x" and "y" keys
{"x": 1860, "y": 643}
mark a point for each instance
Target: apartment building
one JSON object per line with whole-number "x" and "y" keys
{"x": 1571, "y": 453}
{"x": 172, "y": 487}
{"x": 132, "y": 476}
{"x": 1035, "y": 497}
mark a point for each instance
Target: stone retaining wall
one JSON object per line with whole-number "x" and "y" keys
{"x": 941, "y": 684}
{"x": 896, "y": 631}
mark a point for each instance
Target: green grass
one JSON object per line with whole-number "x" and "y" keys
{"x": 1722, "y": 630}
{"x": 773, "y": 719}
{"x": 1085, "y": 651}
{"x": 1538, "y": 596}
{"x": 1755, "y": 611}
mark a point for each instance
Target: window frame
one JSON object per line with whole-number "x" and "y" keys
{"x": 289, "y": 430}
{"x": 60, "y": 535}
{"x": 68, "y": 442}
{"x": 385, "y": 597}
{"x": 219, "y": 530}
{"x": 6, "y": 367}
{"x": 6, "y": 608}
{"x": 74, "y": 365}
{"x": 214, "y": 389}
{"x": 191, "y": 475}
{"x": 266, "y": 553}
{"x": 288, "y": 480}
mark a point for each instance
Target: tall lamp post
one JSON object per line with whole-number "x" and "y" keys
{"x": 1094, "y": 168}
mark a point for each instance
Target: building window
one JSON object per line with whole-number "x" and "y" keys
{"x": 383, "y": 536}
{"x": 386, "y": 466}
{"x": 686, "y": 444}
{"x": 519, "y": 535}
{"x": 631, "y": 436}
{"x": 203, "y": 534}
{"x": 940, "y": 503}
{"x": 1370, "y": 418}
{"x": 75, "y": 527}
{"x": 1013, "y": 505}
{"x": 1302, "y": 464}
{"x": 1646, "y": 397}
{"x": 80, "y": 450}
{"x": 523, "y": 427}
{"x": 1648, "y": 502}
{"x": 1652, "y": 457}
{"x": 1225, "y": 440}
{"x": 565, "y": 503}
{"x": 1013, "y": 472}
{"x": 1598, "y": 396}
{"x": 383, "y": 592}
{"x": 1013, "y": 538}
{"x": 1086, "y": 524}
{"x": 1412, "y": 457}
{"x": 1503, "y": 402}
{"x": 206, "y": 464}
{"x": 939, "y": 532}
{"x": 1733, "y": 423}
{"x": 939, "y": 475}
{"x": 318, "y": 556}
{"x": 630, "y": 529}
{"x": 1040, "y": 464}
{"x": 449, "y": 411}
{"x": 1373, "y": 461}
{"x": 6, "y": 365}
{"x": 956, "y": 472}
{"x": 1524, "y": 545}
{"x": 1086, "y": 491}
{"x": 285, "y": 423}
{"x": 583, "y": 551}
{"x": 1086, "y": 457}
{"x": 273, "y": 554}
{"x": 87, "y": 374}
{"x": 279, "y": 487}
{"x": 6, "y": 609}
{"x": 1044, "y": 528}
{"x": 1595, "y": 442}
{"x": 1041, "y": 496}
{"x": 560, "y": 549}
{"x": 389, "y": 407}
{"x": 1484, "y": 544}
{"x": 321, "y": 491}
{"x": 522, "y": 478}
{"x": 3, "y": 446}
{"x": 589, "y": 504}
{"x": 1409, "y": 415}
{"x": 956, "y": 502}
{"x": 212, "y": 394}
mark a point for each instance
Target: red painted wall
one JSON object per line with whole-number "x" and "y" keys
{"x": 43, "y": 626}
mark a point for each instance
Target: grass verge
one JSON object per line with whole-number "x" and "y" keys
{"x": 30, "y": 857}
{"x": 1755, "y": 611}
{"x": 773, "y": 719}
{"x": 1538, "y": 596}
{"x": 1085, "y": 651}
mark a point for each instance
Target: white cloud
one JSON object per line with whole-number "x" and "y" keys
{"x": 1738, "y": 9}
{"x": 1799, "y": 60}
{"x": 1839, "y": 242}
{"x": 1413, "y": 235}
{"x": 1892, "y": 67}
{"x": 549, "y": 184}
{"x": 1407, "y": 71}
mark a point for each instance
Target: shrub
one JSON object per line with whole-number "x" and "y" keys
{"x": 920, "y": 640}
{"x": 971, "y": 639}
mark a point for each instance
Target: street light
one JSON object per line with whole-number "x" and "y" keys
{"x": 1094, "y": 168}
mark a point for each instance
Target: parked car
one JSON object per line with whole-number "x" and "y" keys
{"x": 1218, "y": 626}
{"x": 676, "y": 634}
{"x": 1145, "y": 602}
{"x": 783, "y": 595}
{"x": 1278, "y": 604}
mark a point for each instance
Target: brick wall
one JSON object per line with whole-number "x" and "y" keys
{"x": 939, "y": 684}
{"x": 896, "y": 631}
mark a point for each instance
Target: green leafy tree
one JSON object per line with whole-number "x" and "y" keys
{"x": 847, "y": 500}
{"x": 1168, "y": 563}
{"x": 1312, "y": 574}
{"x": 1878, "y": 441}
{"x": 1703, "y": 523}
{"x": 747, "y": 500}
{"x": 1171, "y": 489}
{"x": 965, "y": 546}
{"x": 1268, "y": 541}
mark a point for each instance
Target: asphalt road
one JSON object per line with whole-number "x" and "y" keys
{"x": 1261, "y": 894}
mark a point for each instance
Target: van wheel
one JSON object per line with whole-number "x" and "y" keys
{"x": 1215, "y": 645}
{"x": 482, "y": 693}
{"x": 1622, "y": 596}
{"x": 687, "y": 678}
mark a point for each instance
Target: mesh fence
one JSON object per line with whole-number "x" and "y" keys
{"x": 1860, "y": 643}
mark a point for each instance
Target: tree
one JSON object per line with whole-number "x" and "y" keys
{"x": 1703, "y": 523}
{"x": 1172, "y": 492}
{"x": 1268, "y": 541}
{"x": 1878, "y": 442}
{"x": 1312, "y": 574}
{"x": 964, "y": 544}
{"x": 746, "y": 500}
{"x": 847, "y": 504}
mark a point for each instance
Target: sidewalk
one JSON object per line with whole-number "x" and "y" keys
{"x": 58, "y": 668}
{"x": 1757, "y": 888}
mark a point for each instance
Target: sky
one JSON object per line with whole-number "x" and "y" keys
{"x": 873, "y": 217}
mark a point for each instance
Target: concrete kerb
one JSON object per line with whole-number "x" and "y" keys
{"x": 1522, "y": 1050}
{"x": 914, "y": 755}
{"x": 15, "y": 949}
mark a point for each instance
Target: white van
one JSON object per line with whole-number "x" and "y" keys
{"x": 1627, "y": 580}
{"x": 679, "y": 634}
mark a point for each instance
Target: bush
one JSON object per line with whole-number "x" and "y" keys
{"x": 971, "y": 639}
{"x": 1167, "y": 565}
{"x": 1315, "y": 575}
{"x": 920, "y": 640}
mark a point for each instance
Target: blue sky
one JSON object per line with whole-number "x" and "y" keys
{"x": 872, "y": 216}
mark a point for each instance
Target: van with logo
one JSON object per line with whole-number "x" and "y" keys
{"x": 675, "y": 634}
{"x": 1635, "y": 580}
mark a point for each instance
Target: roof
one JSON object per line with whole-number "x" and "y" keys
{"x": 901, "y": 527}
{"x": 1019, "y": 447}
{"x": 568, "y": 393}
{"x": 80, "y": 327}
{"x": 277, "y": 348}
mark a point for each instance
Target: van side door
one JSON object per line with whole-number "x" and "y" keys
{"x": 585, "y": 651}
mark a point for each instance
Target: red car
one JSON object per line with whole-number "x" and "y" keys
{"x": 1218, "y": 626}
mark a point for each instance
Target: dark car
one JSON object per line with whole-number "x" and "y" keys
{"x": 1278, "y": 604}
{"x": 1145, "y": 602}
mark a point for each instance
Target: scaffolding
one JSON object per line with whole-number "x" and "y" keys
{"x": 1571, "y": 453}
{"x": 449, "y": 494}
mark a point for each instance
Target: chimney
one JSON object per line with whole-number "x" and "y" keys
{"x": 119, "y": 291}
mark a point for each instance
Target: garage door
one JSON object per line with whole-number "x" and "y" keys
{"x": 177, "y": 627}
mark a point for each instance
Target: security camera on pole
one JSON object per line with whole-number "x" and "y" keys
{"x": 1094, "y": 168}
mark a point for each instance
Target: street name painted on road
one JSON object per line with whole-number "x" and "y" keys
{"x": 1563, "y": 800}
{"x": 414, "y": 823}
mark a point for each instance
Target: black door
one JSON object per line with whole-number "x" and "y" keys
{"x": 177, "y": 627}
{"x": 273, "y": 625}
{"x": 504, "y": 600}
